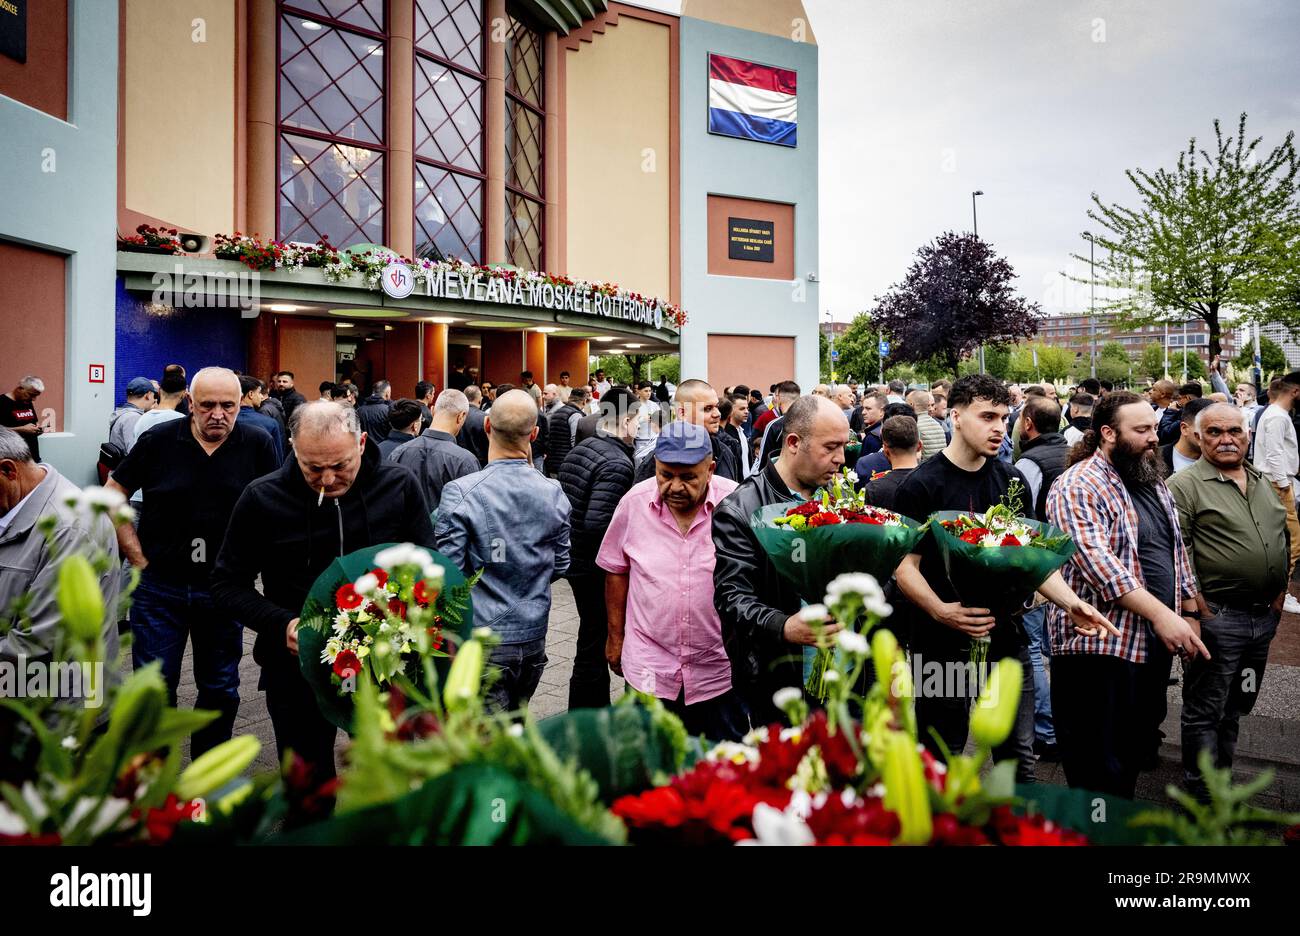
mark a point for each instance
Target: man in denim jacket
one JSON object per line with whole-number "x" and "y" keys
{"x": 513, "y": 523}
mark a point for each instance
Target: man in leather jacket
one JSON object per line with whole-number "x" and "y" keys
{"x": 761, "y": 629}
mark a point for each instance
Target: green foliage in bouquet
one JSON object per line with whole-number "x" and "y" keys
{"x": 83, "y": 774}
{"x": 425, "y": 629}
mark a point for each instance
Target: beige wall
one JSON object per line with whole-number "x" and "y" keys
{"x": 784, "y": 18}
{"x": 617, "y": 214}
{"x": 180, "y": 112}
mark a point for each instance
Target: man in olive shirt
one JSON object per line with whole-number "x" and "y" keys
{"x": 1235, "y": 530}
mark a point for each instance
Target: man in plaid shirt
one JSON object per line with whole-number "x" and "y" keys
{"x": 1108, "y": 692}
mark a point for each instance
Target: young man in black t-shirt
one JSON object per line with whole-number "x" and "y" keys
{"x": 968, "y": 476}
{"x": 191, "y": 472}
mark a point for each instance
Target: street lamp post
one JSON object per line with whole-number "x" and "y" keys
{"x": 975, "y": 222}
{"x": 1092, "y": 300}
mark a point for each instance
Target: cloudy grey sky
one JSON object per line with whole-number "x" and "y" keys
{"x": 1036, "y": 102}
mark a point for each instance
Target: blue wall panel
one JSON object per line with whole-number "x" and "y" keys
{"x": 193, "y": 338}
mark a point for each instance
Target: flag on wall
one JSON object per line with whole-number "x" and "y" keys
{"x": 751, "y": 101}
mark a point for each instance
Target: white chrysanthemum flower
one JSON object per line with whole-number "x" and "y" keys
{"x": 733, "y": 753}
{"x": 367, "y": 584}
{"x": 787, "y": 696}
{"x": 756, "y": 736}
{"x": 852, "y": 643}
{"x": 403, "y": 554}
{"x": 794, "y": 735}
{"x": 384, "y": 628}
{"x": 814, "y": 613}
{"x": 858, "y": 582}
{"x": 102, "y": 497}
{"x": 879, "y": 607}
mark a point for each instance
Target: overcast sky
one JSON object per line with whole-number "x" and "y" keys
{"x": 1036, "y": 102}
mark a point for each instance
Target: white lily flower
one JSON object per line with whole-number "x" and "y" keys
{"x": 858, "y": 582}
{"x": 774, "y": 827}
{"x": 109, "y": 815}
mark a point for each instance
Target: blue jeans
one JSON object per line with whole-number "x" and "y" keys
{"x": 164, "y": 616}
{"x": 518, "y": 669}
{"x": 1035, "y": 621}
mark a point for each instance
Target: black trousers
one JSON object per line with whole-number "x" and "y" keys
{"x": 1101, "y": 727}
{"x": 297, "y": 722}
{"x": 947, "y": 685}
{"x": 1153, "y": 689}
{"x": 721, "y": 718}
{"x": 589, "y": 684}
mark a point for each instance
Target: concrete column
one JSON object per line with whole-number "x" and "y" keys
{"x": 535, "y": 355}
{"x": 435, "y": 355}
{"x": 263, "y": 149}
{"x": 494, "y": 135}
{"x": 261, "y": 347}
{"x": 399, "y": 210}
{"x": 554, "y": 252}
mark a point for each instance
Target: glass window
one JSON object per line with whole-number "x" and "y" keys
{"x": 448, "y": 213}
{"x": 449, "y": 92}
{"x": 331, "y": 81}
{"x": 332, "y": 189}
{"x": 363, "y": 14}
{"x": 451, "y": 30}
{"x": 331, "y": 121}
{"x": 525, "y": 134}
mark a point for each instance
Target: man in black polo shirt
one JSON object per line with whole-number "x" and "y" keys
{"x": 968, "y": 476}
{"x": 191, "y": 472}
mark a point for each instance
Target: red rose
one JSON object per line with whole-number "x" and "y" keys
{"x": 346, "y": 664}
{"x": 347, "y": 598}
{"x": 381, "y": 575}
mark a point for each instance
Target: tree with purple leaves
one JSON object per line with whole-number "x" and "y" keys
{"x": 957, "y": 295}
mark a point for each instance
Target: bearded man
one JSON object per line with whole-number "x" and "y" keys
{"x": 1108, "y": 691}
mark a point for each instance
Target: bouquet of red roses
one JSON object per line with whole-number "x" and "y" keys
{"x": 997, "y": 559}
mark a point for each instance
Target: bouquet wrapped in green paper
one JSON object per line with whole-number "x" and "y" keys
{"x": 375, "y": 614}
{"x": 997, "y": 559}
{"x": 813, "y": 542}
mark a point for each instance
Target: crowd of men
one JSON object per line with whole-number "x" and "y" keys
{"x": 1181, "y": 505}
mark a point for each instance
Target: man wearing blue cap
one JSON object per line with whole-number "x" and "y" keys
{"x": 665, "y": 636}
{"x": 140, "y": 398}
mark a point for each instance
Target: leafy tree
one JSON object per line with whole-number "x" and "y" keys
{"x": 859, "y": 349}
{"x": 629, "y": 368}
{"x": 1152, "y": 362}
{"x": 1272, "y": 359}
{"x": 1218, "y": 231}
{"x": 1053, "y": 363}
{"x": 823, "y": 355}
{"x": 957, "y": 295}
{"x": 1195, "y": 366}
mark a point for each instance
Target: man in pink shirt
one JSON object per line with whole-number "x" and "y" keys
{"x": 665, "y": 637}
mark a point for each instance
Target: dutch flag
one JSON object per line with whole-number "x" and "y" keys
{"x": 751, "y": 101}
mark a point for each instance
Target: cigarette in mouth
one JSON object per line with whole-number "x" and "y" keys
{"x": 320, "y": 500}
